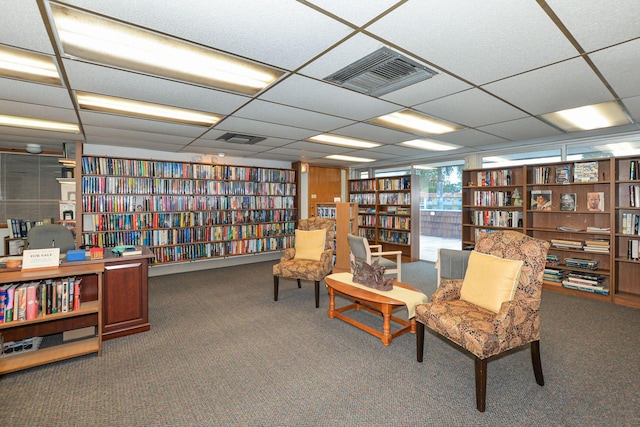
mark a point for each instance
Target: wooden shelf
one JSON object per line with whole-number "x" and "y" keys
{"x": 620, "y": 274}
{"x": 88, "y": 314}
{"x": 389, "y": 212}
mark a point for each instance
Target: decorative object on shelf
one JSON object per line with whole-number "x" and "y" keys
{"x": 516, "y": 198}
{"x": 585, "y": 172}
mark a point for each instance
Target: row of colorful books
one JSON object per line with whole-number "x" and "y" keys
{"x": 28, "y": 300}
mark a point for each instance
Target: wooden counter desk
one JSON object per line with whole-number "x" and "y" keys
{"x": 125, "y": 292}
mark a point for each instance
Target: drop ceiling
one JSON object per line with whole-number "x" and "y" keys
{"x": 501, "y": 64}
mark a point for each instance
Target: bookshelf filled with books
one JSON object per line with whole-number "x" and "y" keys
{"x": 389, "y": 212}
{"x": 568, "y": 205}
{"x": 492, "y": 199}
{"x": 187, "y": 211}
{"x": 46, "y": 303}
{"x": 627, "y": 231}
{"x": 586, "y": 209}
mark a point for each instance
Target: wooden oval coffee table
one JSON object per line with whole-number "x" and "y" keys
{"x": 376, "y": 303}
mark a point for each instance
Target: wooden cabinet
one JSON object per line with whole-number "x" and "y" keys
{"x": 88, "y": 314}
{"x": 389, "y": 212}
{"x": 187, "y": 211}
{"x": 586, "y": 211}
{"x": 125, "y": 298}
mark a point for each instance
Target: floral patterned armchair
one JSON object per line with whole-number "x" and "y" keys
{"x": 483, "y": 332}
{"x": 291, "y": 267}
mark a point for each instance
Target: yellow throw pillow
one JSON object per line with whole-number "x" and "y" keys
{"x": 490, "y": 280}
{"x": 309, "y": 244}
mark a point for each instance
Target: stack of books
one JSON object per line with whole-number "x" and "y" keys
{"x": 571, "y": 244}
{"x": 586, "y": 282}
{"x": 554, "y": 275}
{"x": 552, "y": 260}
{"x": 585, "y": 264}
{"x": 601, "y": 246}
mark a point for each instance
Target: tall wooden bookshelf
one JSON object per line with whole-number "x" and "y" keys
{"x": 569, "y": 223}
{"x": 627, "y": 232}
{"x": 389, "y": 212}
{"x": 187, "y": 211}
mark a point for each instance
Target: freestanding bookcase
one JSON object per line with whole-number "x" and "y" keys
{"x": 489, "y": 204}
{"x": 389, "y": 212}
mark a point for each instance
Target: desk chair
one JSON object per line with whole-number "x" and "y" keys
{"x": 51, "y": 236}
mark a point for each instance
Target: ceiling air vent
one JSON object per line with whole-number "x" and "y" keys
{"x": 381, "y": 72}
{"x": 238, "y": 138}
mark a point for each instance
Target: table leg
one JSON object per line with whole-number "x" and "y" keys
{"x": 332, "y": 303}
{"x": 386, "y": 324}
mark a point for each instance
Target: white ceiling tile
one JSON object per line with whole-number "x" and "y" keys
{"x": 38, "y": 111}
{"x": 478, "y": 41}
{"x": 21, "y": 26}
{"x": 358, "y": 12}
{"x": 98, "y": 131}
{"x": 633, "y": 105}
{"x": 326, "y": 98}
{"x": 8, "y": 133}
{"x": 565, "y": 85}
{"x": 374, "y": 133}
{"x": 619, "y": 65}
{"x": 274, "y": 32}
{"x": 436, "y": 87}
{"x": 34, "y": 93}
{"x": 521, "y": 129}
{"x": 596, "y": 24}
{"x": 285, "y": 115}
{"x": 470, "y": 138}
{"x": 133, "y": 143}
{"x": 471, "y": 108}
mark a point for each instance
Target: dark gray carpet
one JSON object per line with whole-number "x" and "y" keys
{"x": 221, "y": 352}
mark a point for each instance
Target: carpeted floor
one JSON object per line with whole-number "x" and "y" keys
{"x": 221, "y": 352}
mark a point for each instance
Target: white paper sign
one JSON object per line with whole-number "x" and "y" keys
{"x": 40, "y": 258}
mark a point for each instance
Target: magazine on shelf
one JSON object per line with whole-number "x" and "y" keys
{"x": 568, "y": 201}
{"x": 595, "y": 201}
{"x": 541, "y": 200}
{"x": 585, "y": 172}
{"x": 563, "y": 174}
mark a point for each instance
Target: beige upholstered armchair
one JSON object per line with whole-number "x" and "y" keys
{"x": 312, "y": 256}
{"x": 495, "y": 308}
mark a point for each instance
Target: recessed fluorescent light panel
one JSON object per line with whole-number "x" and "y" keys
{"x": 20, "y": 64}
{"x": 342, "y": 141}
{"x": 426, "y": 144}
{"x": 110, "y": 104}
{"x": 29, "y": 123}
{"x": 349, "y": 158}
{"x": 597, "y": 116}
{"x": 412, "y": 121}
{"x": 94, "y": 38}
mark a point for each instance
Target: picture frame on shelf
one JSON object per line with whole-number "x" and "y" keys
{"x": 595, "y": 201}
{"x": 568, "y": 201}
{"x": 585, "y": 172}
{"x": 541, "y": 200}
